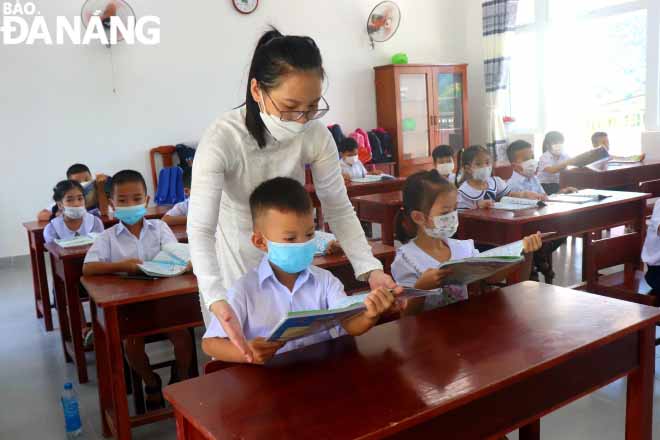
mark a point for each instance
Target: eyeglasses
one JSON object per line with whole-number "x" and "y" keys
{"x": 296, "y": 115}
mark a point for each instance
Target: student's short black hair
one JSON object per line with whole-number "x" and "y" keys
{"x": 516, "y": 146}
{"x": 187, "y": 178}
{"x": 596, "y": 137}
{"x": 348, "y": 144}
{"x": 127, "y": 176}
{"x": 442, "y": 151}
{"x": 281, "y": 193}
{"x": 77, "y": 168}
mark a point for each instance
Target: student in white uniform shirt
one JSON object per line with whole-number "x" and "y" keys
{"x": 275, "y": 134}
{"x": 552, "y": 162}
{"x": 178, "y": 215}
{"x": 119, "y": 250}
{"x": 651, "y": 250}
{"x": 479, "y": 188}
{"x": 284, "y": 280}
{"x": 351, "y": 167}
{"x": 75, "y": 221}
{"x": 426, "y": 225}
{"x": 443, "y": 161}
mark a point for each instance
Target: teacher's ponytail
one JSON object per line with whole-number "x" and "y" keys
{"x": 275, "y": 56}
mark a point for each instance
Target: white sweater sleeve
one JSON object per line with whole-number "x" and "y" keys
{"x": 204, "y": 208}
{"x": 339, "y": 212}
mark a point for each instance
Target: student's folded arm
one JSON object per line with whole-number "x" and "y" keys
{"x": 174, "y": 220}
{"x": 358, "y": 324}
{"x": 338, "y": 211}
{"x": 209, "y": 167}
{"x": 102, "y": 268}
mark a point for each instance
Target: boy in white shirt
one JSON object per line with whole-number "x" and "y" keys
{"x": 351, "y": 167}
{"x": 284, "y": 281}
{"x": 443, "y": 161}
{"x": 651, "y": 249}
{"x": 178, "y": 215}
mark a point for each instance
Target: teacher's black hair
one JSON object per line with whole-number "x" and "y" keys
{"x": 275, "y": 56}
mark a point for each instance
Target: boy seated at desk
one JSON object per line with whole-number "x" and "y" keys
{"x": 178, "y": 215}
{"x": 351, "y": 167}
{"x": 94, "y": 199}
{"x": 524, "y": 178}
{"x": 121, "y": 248}
{"x": 600, "y": 139}
{"x": 443, "y": 161}
{"x": 284, "y": 281}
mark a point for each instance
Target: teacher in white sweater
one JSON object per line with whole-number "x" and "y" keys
{"x": 276, "y": 133}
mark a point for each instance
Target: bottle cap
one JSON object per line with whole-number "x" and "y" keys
{"x": 68, "y": 386}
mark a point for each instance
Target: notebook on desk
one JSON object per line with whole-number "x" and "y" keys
{"x": 171, "y": 261}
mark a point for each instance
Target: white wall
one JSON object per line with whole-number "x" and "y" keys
{"x": 57, "y": 105}
{"x": 474, "y": 47}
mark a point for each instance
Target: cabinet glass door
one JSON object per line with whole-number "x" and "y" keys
{"x": 414, "y": 115}
{"x": 449, "y": 123}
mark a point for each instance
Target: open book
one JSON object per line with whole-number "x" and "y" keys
{"x": 171, "y": 261}
{"x": 369, "y": 178}
{"x": 627, "y": 159}
{"x": 82, "y": 240}
{"x": 300, "y": 324}
{"x": 583, "y": 196}
{"x": 486, "y": 264}
{"x": 517, "y": 204}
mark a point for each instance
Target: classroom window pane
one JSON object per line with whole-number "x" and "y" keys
{"x": 595, "y": 80}
{"x": 526, "y": 12}
{"x": 561, "y": 9}
{"x": 523, "y": 93}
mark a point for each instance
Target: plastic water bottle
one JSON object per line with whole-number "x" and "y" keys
{"x": 71, "y": 412}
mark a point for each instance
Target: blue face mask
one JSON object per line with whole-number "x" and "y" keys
{"x": 130, "y": 214}
{"x": 292, "y": 257}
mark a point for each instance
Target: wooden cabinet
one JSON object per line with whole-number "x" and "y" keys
{"x": 422, "y": 106}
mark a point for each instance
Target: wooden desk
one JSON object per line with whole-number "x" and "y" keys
{"x": 498, "y": 227}
{"x": 67, "y": 266}
{"x": 357, "y": 189}
{"x": 380, "y": 208}
{"x": 442, "y": 374}
{"x": 609, "y": 175}
{"x": 123, "y": 308}
{"x": 35, "y": 233}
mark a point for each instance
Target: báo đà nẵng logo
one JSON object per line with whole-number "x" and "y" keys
{"x": 22, "y": 23}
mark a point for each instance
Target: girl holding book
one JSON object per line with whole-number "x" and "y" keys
{"x": 428, "y": 220}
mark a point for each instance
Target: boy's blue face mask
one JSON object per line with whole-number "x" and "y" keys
{"x": 130, "y": 214}
{"x": 292, "y": 257}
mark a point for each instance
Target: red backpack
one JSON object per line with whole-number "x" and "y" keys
{"x": 364, "y": 148}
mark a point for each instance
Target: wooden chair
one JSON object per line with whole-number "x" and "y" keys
{"x": 215, "y": 365}
{"x": 504, "y": 172}
{"x": 608, "y": 252}
{"x": 652, "y": 187}
{"x": 167, "y": 154}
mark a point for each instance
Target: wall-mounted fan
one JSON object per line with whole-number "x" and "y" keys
{"x": 107, "y": 9}
{"x": 383, "y": 22}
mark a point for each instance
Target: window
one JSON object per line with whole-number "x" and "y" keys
{"x": 580, "y": 67}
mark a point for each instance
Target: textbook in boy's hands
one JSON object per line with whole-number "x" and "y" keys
{"x": 304, "y": 323}
{"x": 486, "y": 264}
{"x": 171, "y": 261}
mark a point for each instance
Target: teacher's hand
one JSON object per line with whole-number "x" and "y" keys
{"x": 378, "y": 278}
{"x": 227, "y": 318}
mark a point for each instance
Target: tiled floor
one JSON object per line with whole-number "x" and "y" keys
{"x": 33, "y": 371}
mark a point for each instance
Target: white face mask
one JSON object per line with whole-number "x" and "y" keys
{"x": 557, "y": 149}
{"x": 350, "y": 160}
{"x": 282, "y": 131}
{"x": 445, "y": 226}
{"x": 529, "y": 167}
{"x": 74, "y": 212}
{"x": 445, "y": 169}
{"x": 482, "y": 174}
